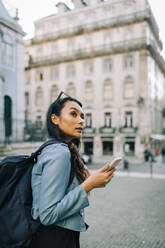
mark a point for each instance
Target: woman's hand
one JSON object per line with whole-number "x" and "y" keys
{"x": 99, "y": 178}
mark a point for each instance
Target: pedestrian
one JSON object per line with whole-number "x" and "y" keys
{"x": 59, "y": 207}
{"x": 146, "y": 155}
{"x": 163, "y": 154}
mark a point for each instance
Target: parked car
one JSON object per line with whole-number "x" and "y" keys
{"x": 86, "y": 159}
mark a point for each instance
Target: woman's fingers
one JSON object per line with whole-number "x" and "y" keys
{"x": 105, "y": 168}
{"x": 111, "y": 171}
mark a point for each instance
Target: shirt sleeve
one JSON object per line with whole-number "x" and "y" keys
{"x": 55, "y": 204}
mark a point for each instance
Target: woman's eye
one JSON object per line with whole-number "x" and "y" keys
{"x": 74, "y": 114}
{"x": 82, "y": 117}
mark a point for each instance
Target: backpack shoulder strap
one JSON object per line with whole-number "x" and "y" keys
{"x": 47, "y": 143}
{"x": 39, "y": 150}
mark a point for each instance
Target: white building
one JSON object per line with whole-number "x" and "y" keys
{"x": 107, "y": 54}
{"x": 11, "y": 78}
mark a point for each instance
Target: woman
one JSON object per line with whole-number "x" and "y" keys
{"x": 58, "y": 204}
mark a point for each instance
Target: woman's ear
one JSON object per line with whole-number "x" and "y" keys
{"x": 55, "y": 119}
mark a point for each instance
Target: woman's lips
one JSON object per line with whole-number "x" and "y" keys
{"x": 79, "y": 129}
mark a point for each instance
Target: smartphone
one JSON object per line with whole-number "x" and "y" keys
{"x": 114, "y": 163}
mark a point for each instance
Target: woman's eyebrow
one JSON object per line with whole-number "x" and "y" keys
{"x": 76, "y": 109}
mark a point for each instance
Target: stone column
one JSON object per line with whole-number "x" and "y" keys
{"x": 97, "y": 147}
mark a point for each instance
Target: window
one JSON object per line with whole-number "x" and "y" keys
{"x": 88, "y": 67}
{"x": 128, "y": 119}
{"x": 7, "y": 50}
{"x": 88, "y": 120}
{"x": 89, "y": 94}
{"x": 26, "y": 98}
{"x": 129, "y": 91}
{"x": 107, "y": 65}
{"x": 39, "y": 50}
{"x": 39, "y": 97}
{"x": 107, "y": 90}
{"x": 71, "y": 90}
{"x": 70, "y": 71}
{"x": 107, "y": 40}
{"x": 107, "y": 119}
{"x": 88, "y": 44}
{"x": 27, "y": 77}
{"x": 54, "y": 73}
{"x": 53, "y": 93}
{"x": 39, "y": 76}
{"x": 39, "y": 122}
{"x": 54, "y": 48}
{"x": 70, "y": 46}
{"x": 128, "y": 61}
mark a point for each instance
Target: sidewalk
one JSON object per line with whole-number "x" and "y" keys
{"x": 128, "y": 213}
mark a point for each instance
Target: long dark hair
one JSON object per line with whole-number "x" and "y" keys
{"x": 55, "y": 132}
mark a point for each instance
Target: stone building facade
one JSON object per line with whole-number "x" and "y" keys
{"x": 11, "y": 78}
{"x": 107, "y": 54}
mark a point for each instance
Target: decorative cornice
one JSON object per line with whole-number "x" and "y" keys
{"x": 135, "y": 17}
{"x": 12, "y": 26}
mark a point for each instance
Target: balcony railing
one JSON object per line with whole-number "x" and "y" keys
{"x": 119, "y": 46}
{"x": 89, "y": 130}
{"x": 128, "y": 129}
{"x": 107, "y": 130}
{"x": 105, "y": 49}
{"x": 102, "y": 23}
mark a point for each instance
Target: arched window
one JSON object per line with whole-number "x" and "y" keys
{"x": 129, "y": 91}
{"x": 39, "y": 97}
{"x": 7, "y": 50}
{"x": 89, "y": 91}
{"x": 107, "y": 90}
{"x": 71, "y": 90}
{"x": 53, "y": 93}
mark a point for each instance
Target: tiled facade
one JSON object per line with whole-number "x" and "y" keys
{"x": 107, "y": 54}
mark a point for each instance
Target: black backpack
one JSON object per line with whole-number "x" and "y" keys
{"x": 16, "y": 223}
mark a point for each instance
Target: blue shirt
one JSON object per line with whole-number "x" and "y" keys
{"x": 54, "y": 203}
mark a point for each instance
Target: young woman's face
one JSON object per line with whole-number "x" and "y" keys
{"x": 71, "y": 120}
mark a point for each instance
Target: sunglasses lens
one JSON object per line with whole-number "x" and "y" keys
{"x": 62, "y": 95}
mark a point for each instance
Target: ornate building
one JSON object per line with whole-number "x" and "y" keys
{"x": 107, "y": 54}
{"x": 11, "y": 78}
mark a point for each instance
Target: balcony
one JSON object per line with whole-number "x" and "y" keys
{"x": 105, "y": 49}
{"x": 102, "y": 23}
{"x": 128, "y": 130}
{"x": 89, "y": 130}
{"x": 112, "y": 48}
{"x": 107, "y": 130}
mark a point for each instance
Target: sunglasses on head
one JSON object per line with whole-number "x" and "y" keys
{"x": 61, "y": 96}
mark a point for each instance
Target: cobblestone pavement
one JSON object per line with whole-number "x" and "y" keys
{"x": 128, "y": 213}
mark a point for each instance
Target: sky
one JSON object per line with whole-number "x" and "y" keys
{"x": 31, "y": 10}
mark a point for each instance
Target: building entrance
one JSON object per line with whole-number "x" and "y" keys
{"x": 107, "y": 147}
{"x": 8, "y": 118}
{"x": 129, "y": 148}
{"x": 88, "y": 148}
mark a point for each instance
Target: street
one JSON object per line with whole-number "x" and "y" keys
{"x": 128, "y": 213}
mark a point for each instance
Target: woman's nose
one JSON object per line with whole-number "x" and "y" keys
{"x": 81, "y": 120}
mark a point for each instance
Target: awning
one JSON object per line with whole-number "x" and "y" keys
{"x": 157, "y": 137}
